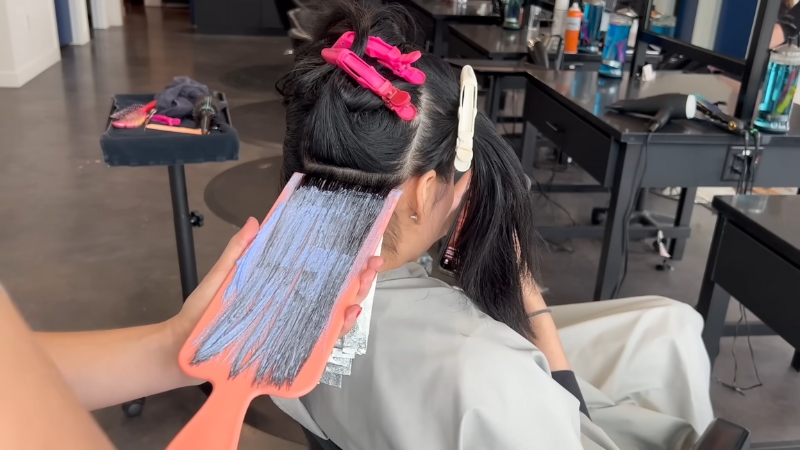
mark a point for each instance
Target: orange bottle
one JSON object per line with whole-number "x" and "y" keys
{"x": 572, "y": 30}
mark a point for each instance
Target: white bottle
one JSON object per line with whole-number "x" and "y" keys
{"x": 559, "y": 17}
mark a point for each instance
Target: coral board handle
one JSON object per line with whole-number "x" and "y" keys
{"x": 218, "y": 424}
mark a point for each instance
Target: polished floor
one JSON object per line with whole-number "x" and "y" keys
{"x": 84, "y": 246}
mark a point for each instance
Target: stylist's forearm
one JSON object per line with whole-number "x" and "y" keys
{"x": 37, "y": 409}
{"x": 105, "y": 368}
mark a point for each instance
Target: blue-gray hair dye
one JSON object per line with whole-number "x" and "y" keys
{"x": 286, "y": 284}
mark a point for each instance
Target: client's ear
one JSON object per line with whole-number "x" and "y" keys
{"x": 425, "y": 195}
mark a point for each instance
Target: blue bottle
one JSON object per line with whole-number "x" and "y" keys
{"x": 590, "y": 26}
{"x": 615, "y": 46}
{"x": 779, "y": 88}
{"x": 663, "y": 24}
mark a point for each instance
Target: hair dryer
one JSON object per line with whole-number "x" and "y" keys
{"x": 205, "y": 112}
{"x": 663, "y": 108}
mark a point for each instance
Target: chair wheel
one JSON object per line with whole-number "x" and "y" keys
{"x": 134, "y": 408}
{"x": 598, "y": 215}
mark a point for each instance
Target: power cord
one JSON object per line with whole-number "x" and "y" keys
{"x": 747, "y": 177}
{"x": 732, "y": 385}
{"x": 547, "y": 197}
{"x": 501, "y": 117}
{"x": 563, "y": 245}
{"x": 750, "y": 160}
{"x": 755, "y": 159}
{"x": 638, "y": 179}
{"x": 677, "y": 197}
{"x": 671, "y": 196}
{"x": 744, "y": 169}
{"x": 516, "y": 105}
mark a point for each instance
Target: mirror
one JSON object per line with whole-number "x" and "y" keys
{"x": 722, "y": 26}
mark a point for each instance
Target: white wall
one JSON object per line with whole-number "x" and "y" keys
{"x": 30, "y": 44}
{"x": 114, "y": 13}
{"x": 79, "y": 20}
{"x": 666, "y": 6}
{"x": 99, "y": 14}
{"x": 6, "y": 48}
{"x": 106, "y": 13}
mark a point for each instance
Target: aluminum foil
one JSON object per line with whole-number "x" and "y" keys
{"x": 353, "y": 343}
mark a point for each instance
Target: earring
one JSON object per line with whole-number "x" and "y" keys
{"x": 414, "y": 217}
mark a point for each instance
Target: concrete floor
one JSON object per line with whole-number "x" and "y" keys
{"x": 84, "y": 246}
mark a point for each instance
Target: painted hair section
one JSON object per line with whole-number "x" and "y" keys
{"x": 289, "y": 280}
{"x": 337, "y": 129}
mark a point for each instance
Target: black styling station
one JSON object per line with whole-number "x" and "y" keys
{"x": 625, "y": 157}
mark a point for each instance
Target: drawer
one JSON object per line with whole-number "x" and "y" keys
{"x": 580, "y": 140}
{"x": 763, "y": 281}
{"x": 458, "y": 48}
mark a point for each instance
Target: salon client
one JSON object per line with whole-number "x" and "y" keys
{"x": 486, "y": 365}
{"x": 50, "y": 380}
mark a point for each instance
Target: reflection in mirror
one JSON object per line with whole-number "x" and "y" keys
{"x": 698, "y": 22}
{"x": 662, "y": 23}
{"x": 722, "y": 26}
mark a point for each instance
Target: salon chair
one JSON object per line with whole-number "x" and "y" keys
{"x": 720, "y": 435}
{"x": 317, "y": 443}
{"x": 300, "y": 21}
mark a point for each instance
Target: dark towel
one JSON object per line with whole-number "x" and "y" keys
{"x": 179, "y": 97}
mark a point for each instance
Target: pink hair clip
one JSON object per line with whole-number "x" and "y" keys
{"x": 395, "y": 99}
{"x": 388, "y": 55}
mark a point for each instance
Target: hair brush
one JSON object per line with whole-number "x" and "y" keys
{"x": 133, "y": 118}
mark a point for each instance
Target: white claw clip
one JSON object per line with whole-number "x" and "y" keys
{"x": 467, "y": 110}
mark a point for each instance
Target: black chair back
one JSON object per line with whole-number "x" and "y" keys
{"x": 317, "y": 443}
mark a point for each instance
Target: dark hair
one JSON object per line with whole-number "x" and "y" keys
{"x": 335, "y": 128}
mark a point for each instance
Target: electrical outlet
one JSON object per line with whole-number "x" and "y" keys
{"x": 734, "y": 163}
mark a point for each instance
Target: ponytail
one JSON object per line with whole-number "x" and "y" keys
{"x": 497, "y": 241}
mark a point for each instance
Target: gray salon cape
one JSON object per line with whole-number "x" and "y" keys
{"x": 440, "y": 374}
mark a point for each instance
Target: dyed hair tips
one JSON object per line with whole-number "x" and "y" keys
{"x": 287, "y": 283}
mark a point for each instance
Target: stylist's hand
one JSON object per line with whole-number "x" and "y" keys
{"x": 183, "y": 323}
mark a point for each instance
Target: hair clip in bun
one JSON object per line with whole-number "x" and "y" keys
{"x": 388, "y": 55}
{"x": 365, "y": 75}
{"x": 467, "y": 110}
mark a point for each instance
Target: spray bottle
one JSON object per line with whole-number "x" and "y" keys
{"x": 779, "y": 88}
{"x": 559, "y": 17}
{"x": 573, "y": 29}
